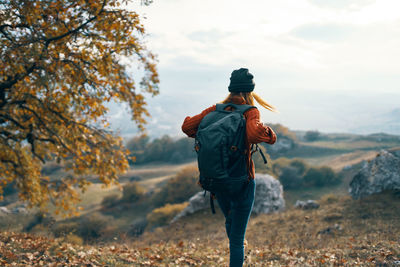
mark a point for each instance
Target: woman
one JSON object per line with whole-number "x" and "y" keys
{"x": 237, "y": 210}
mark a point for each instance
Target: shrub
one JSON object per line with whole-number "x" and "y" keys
{"x": 179, "y": 188}
{"x": 312, "y": 136}
{"x": 162, "y": 216}
{"x": 132, "y": 192}
{"x": 40, "y": 218}
{"x": 164, "y": 149}
{"x": 295, "y": 172}
{"x": 65, "y": 228}
{"x": 138, "y": 227}
{"x": 290, "y": 177}
{"x": 321, "y": 176}
{"x": 279, "y": 164}
{"x": 110, "y": 201}
{"x": 92, "y": 227}
{"x": 300, "y": 165}
{"x": 73, "y": 239}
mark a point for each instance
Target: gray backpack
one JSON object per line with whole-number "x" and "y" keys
{"x": 221, "y": 150}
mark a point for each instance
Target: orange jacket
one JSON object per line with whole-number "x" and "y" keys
{"x": 255, "y": 130}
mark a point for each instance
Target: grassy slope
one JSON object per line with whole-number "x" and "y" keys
{"x": 339, "y": 150}
{"x": 155, "y": 175}
{"x": 366, "y": 234}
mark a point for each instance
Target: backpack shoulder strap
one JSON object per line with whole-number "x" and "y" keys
{"x": 243, "y": 108}
{"x": 238, "y": 108}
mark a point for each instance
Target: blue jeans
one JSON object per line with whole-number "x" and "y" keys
{"x": 237, "y": 213}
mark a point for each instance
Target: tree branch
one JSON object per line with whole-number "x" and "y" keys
{"x": 49, "y": 40}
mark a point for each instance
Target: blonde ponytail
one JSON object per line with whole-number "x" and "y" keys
{"x": 248, "y": 98}
{"x": 263, "y": 103}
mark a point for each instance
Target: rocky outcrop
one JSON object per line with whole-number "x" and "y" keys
{"x": 196, "y": 203}
{"x": 306, "y": 205}
{"x": 4, "y": 210}
{"x": 269, "y": 195}
{"x": 269, "y": 198}
{"x": 377, "y": 175}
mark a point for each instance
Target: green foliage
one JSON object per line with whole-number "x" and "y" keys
{"x": 138, "y": 143}
{"x": 179, "y": 188}
{"x": 294, "y": 173}
{"x": 312, "y": 136}
{"x": 89, "y": 228}
{"x": 164, "y": 149}
{"x": 132, "y": 192}
{"x": 280, "y": 163}
{"x": 290, "y": 177}
{"x": 321, "y": 176}
{"x": 138, "y": 227}
{"x": 162, "y": 216}
{"x": 92, "y": 227}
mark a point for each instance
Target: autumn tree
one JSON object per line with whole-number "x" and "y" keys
{"x": 61, "y": 62}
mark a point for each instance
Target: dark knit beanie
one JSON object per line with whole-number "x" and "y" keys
{"x": 241, "y": 81}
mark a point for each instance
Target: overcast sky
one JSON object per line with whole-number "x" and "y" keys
{"x": 331, "y": 65}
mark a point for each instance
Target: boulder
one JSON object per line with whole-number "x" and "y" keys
{"x": 268, "y": 199}
{"x": 380, "y": 174}
{"x": 196, "y": 202}
{"x": 306, "y": 205}
{"x": 20, "y": 210}
{"x": 269, "y": 195}
{"x": 4, "y": 210}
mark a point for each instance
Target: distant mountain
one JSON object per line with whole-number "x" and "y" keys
{"x": 388, "y": 122}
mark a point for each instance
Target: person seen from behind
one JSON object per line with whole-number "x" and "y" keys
{"x": 236, "y": 208}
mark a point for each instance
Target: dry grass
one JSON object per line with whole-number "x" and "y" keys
{"x": 337, "y": 162}
{"x": 150, "y": 171}
{"x": 343, "y": 232}
{"x": 348, "y": 231}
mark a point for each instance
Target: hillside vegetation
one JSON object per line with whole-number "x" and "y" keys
{"x": 343, "y": 232}
{"x": 151, "y": 194}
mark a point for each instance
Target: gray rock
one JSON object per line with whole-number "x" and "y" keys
{"x": 269, "y": 195}
{"x": 196, "y": 203}
{"x": 4, "y": 210}
{"x": 20, "y": 210}
{"x": 269, "y": 198}
{"x": 306, "y": 205}
{"x": 381, "y": 173}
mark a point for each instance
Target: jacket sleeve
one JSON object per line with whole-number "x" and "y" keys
{"x": 190, "y": 124}
{"x": 255, "y": 129}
